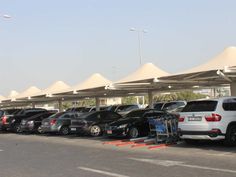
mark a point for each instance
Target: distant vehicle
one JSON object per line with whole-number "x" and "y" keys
{"x": 93, "y": 123}
{"x": 33, "y": 124}
{"x": 211, "y": 119}
{"x": 59, "y": 123}
{"x": 76, "y": 109}
{"x": 172, "y": 106}
{"x": 12, "y": 123}
{"x": 4, "y": 115}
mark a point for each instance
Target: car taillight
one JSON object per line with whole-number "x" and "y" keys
{"x": 213, "y": 118}
{"x": 53, "y": 121}
{"x": 181, "y": 119}
{"x": 4, "y": 120}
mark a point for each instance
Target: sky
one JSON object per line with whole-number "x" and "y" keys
{"x": 46, "y": 41}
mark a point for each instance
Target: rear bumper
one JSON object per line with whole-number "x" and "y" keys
{"x": 202, "y": 135}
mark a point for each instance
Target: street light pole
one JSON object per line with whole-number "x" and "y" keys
{"x": 139, "y": 31}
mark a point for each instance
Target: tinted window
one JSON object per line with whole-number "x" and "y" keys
{"x": 113, "y": 116}
{"x": 158, "y": 106}
{"x": 200, "y": 106}
{"x": 138, "y": 113}
{"x": 229, "y": 104}
{"x": 1, "y": 113}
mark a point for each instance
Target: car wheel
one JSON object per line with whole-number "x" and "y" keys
{"x": 17, "y": 128}
{"x": 230, "y": 139}
{"x": 39, "y": 130}
{"x": 64, "y": 130}
{"x": 191, "y": 141}
{"x": 133, "y": 132}
{"x": 95, "y": 130}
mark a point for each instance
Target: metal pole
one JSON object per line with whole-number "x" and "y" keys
{"x": 233, "y": 88}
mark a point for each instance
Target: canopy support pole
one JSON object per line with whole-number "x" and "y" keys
{"x": 97, "y": 104}
{"x": 33, "y": 105}
{"x": 60, "y": 105}
{"x": 233, "y": 88}
{"x": 150, "y": 99}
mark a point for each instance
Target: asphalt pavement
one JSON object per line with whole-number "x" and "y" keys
{"x": 55, "y": 156}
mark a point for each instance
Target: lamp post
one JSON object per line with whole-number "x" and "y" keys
{"x": 139, "y": 32}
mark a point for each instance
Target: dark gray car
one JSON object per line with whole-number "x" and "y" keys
{"x": 59, "y": 123}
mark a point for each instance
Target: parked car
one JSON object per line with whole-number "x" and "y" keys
{"x": 59, "y": 123}
{"x": 4, "y": 115}
{"x": 172, "y": 106}
{"x": 33, "y": 124}
{"x": 12, "y": 123}
{"x": 76, "y": 109}
{"x": 135, "y": 124}
{"x": 211, "y": 119}
{"x": 93, "y": 123}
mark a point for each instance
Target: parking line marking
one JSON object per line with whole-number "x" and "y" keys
{"x": 168, "y": 163}
{"x": 102, "y": 172}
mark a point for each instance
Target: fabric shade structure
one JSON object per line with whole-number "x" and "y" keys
{"x": 28, "y": 93}
{"x": 147, "y": 71}
{"x": 12, "y": 96}
{"x": 218, "y": 71}
{"x": 94, "y": 81}
{"x": 55, "y": 88}
{"x": 2, "y": 98}
{"x": 93, "y": 85}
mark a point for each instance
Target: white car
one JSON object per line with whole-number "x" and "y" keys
{"x": 210, "y": 119}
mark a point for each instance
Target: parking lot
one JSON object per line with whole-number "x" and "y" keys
{"x": 52, "y": 155}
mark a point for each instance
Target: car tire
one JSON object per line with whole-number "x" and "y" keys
{"x": 230, "y": 139}
{"x": 39, "y": 130}
{"x": 133, "y": 132}
{"x": 191, "y": 141}
{"x": 17, "y": 128}
{"x": 65, "y": 130}
{"x": 95, "y": 130}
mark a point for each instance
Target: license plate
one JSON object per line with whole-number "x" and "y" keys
{"x": 194, "y": 118}
{"x": 109, "y": 131}
{"x": 73, "y": 129}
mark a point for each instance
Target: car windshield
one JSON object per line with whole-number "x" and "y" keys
{"x": 127, "y": 107}
{"x": 200, "y": 106}
{"x": 158, "y": 106}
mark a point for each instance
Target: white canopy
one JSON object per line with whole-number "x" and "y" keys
{"x": 225, "y": 59}
{"x": 94, "y": 81}
{"x": 56, "y": 87}
{"x": 2, "y": 98}
{"x": 145, "y": 72}
{"x": 28, "y": 92}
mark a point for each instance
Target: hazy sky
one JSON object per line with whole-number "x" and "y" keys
{"x": 50, "y": 40}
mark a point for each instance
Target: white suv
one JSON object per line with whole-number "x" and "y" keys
{"x": 211, "y": 119}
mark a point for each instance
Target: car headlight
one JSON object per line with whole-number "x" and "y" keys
{"x": 31, "y": 122}
{"x": 122, "y": 126}
{"x": 13, "y": 120}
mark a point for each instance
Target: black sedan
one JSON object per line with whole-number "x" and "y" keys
{"x": 134, "y": 125}
{"x": 93, "y": 123}
{"x": 33, "y": 124}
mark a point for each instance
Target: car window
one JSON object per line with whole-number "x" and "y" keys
{"x": 200, "y": 106}
{"x": 229, "y": 104}
{"x": 113, "y": 116}
{"x": 158, "y": 106}
{"x": 1, "y": 113}
{"x": 138, "y": 113}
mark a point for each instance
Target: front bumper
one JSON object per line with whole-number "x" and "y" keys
{"x": 116, "y": 132}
